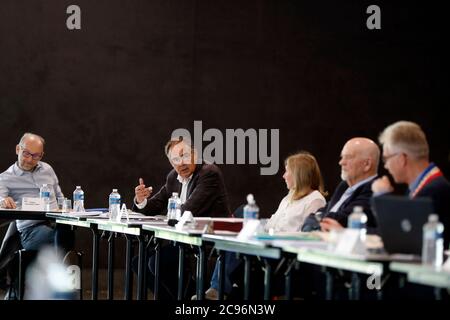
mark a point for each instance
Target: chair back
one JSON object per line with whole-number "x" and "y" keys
{"x": 10, "y": 244}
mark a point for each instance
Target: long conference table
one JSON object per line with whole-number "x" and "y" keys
{"x": 7, "y": 215}
{"x": 131, "y": 229}
{"x": 312, "y": 252}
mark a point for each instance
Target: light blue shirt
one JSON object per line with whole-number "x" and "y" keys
{"x": 349, "y": 192}
{"x": 17, "y": 183}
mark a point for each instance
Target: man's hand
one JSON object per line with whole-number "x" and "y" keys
{"x": 8, "y": 203}
{"x": 141, "y": 192}
{"x": 382, "y": 185}
{"x": 328, "y": 224}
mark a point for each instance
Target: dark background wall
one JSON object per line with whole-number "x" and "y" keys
{"x": 107, "y": 97}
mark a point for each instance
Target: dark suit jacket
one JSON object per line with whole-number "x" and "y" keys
{"x": 360, "y": 197}
{"x": 439, "y": 191}
{"x": 206, "y": 194}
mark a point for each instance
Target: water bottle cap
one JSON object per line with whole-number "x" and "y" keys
{"x": 114, "y": 190}
{"x": 433, "y": 217}
{"x": 250, "y": 199}
{"x": 358, "y": 209}
{"x": 174, "y": 194}
{"x": 78, "y": 187}
{"x": 44, "y": 185}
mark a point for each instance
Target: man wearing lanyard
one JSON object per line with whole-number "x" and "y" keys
{"x": 406, "y": 157}
{"x": 202, "y": 191}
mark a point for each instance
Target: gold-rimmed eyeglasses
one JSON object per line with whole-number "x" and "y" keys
{"x": 387, "y": 157}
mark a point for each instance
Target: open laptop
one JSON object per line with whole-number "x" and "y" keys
{"x": 400, "y": 221}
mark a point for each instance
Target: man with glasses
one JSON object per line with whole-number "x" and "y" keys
{"x": 202, "y": 191}
{"x": 201, "y": 186}
{"x": 406, "y": 157}
{"x": 24, "y": 179}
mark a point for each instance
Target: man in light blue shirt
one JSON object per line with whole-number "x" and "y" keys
{"x": 24, "y": 179}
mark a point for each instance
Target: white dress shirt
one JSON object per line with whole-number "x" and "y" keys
{"x": 291, "y": 214}
{"x": 184, "y": 187}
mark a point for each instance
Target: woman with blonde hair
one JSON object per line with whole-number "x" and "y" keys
{"x": 306, "y": 195}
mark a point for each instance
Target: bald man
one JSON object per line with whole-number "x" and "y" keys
{"x": 359, "y": 166}
{"x": 24, "y": 179}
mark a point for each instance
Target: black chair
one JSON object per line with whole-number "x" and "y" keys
{"x": 14, "y": 259}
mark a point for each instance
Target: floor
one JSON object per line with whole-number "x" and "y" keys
{"x": 119, "y": 280}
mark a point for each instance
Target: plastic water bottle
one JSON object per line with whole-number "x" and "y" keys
{"x": 433, "y": 242}
{"x": 114, "y": 206}
{"x": 251, "y": 210}
{"x": 78, "y": 200}
{"x": 44, "y": 193}
{"x": 173, "y": 209}
{"x": 358, "y": 220}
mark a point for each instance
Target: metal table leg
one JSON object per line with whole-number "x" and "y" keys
{"x": 111, "y": 266}
{"x": 128, "y": 274}
{"x": 246, "y": 277}
{"x": 95, "y": 253}
{"x": 200, "y": 273}
{"x": 355, "y": 287}
{"x": 288, "y": 279}
{"x": 180, "y": 271}
{"x": 221, "y": 260}
{"x": 328, "y": 285}
{"x": 156, "y": 281}
{"x": 141, "y": 266}
{"x": 267, "y": 274}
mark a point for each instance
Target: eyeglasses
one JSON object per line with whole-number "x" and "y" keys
{"x": 386, "y": 158}
{"x": 28, "y": 154}
{"x": 178, "y": 160}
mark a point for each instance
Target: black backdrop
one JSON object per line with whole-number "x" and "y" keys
{"x": 107, "y": 97}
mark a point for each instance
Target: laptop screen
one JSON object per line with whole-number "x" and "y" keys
{"x": 400, "y": 221}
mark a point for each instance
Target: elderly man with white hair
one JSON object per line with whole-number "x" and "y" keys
{"x": 406, "y": 157}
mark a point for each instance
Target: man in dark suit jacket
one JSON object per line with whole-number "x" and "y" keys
{"x": 200, "y": 186}
{"x": 205, "y": 195}
{"x": 359, "y": 165}
{"x": 202, "y": 191}
{"x": 406, "y": 157}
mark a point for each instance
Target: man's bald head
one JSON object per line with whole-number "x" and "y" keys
{"x": 359, "y": 160}
{"x": 366, "y": 148}
{"x": 29, "y": 151}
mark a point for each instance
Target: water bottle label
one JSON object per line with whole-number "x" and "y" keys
{"x": 114, "y": 200}
{"x": 172, "y": 205}
{"x": 355, "y": 224}
{"x": 77, "y": 197}
{"x": 433, "y": 235}
{"x": 251, "y": 215}
{"x": 45, "y": 194}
